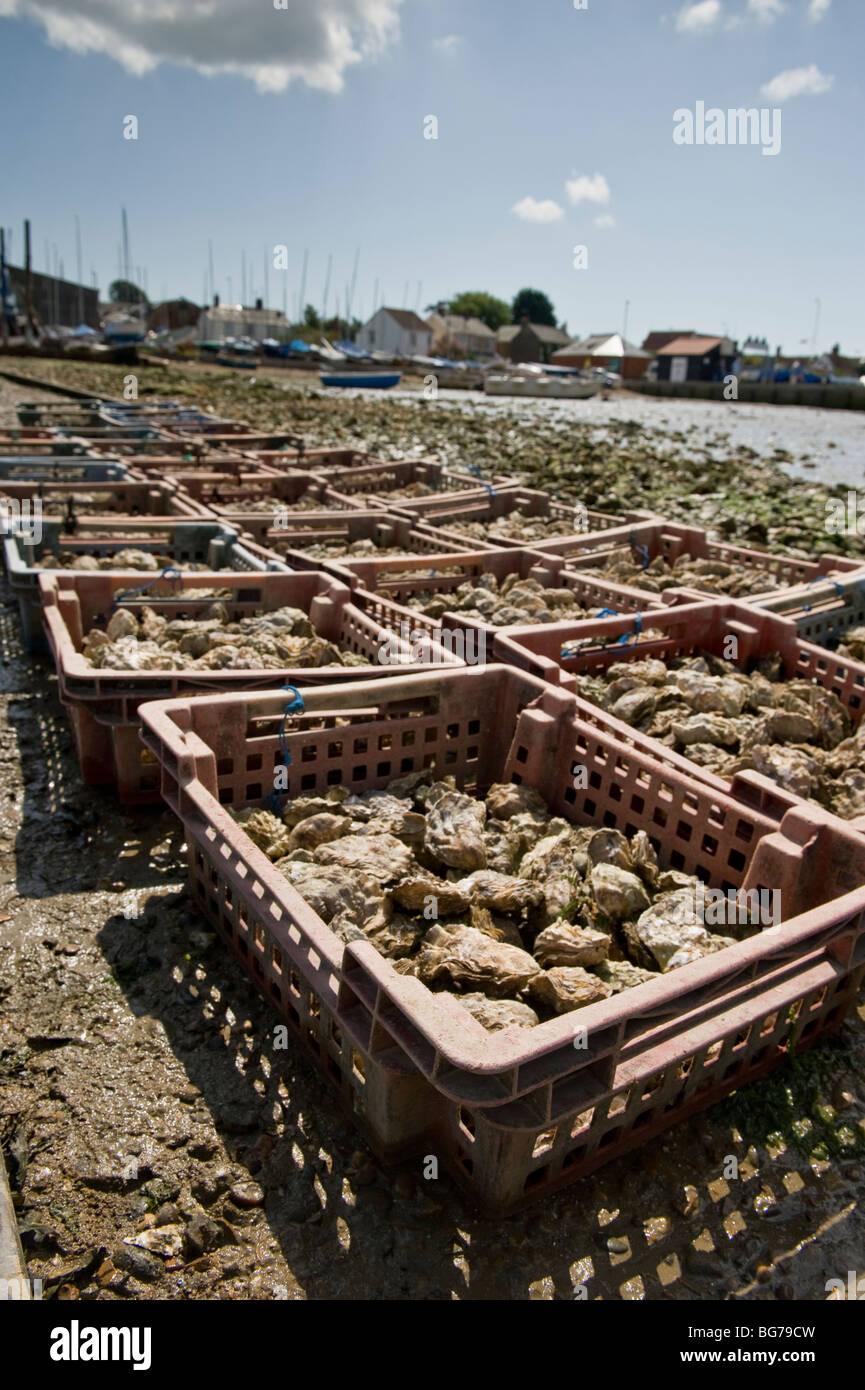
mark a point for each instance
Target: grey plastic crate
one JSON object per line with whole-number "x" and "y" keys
{"x": 23, "y": 468}
{"x": 210, "y": 542}
{"x": 823, "y": 610}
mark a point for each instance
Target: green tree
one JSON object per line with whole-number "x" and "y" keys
{"x": 480, "y": 305}
{"x": 535, "y": 306}
{"x": 124, "y": 292}
{"x": 310, "y": 317}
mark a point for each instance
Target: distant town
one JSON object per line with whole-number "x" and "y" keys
{"x": 468, "y": 338}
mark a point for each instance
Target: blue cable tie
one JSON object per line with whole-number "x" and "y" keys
{"x": 295, "y": 706}
{"x": 607, "y": 613}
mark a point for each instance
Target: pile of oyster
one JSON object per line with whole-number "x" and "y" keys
{"x": 626, "y": 565}
{"x": 149, "y": 641}
{"x": 796, "y": 733}
{"x": 517, "y": 914}
{"x": 407, "y": 491}
{"x": 258, "y": 505}
{"x": 85, "y": 503}
{"x": 515, "y": 600}
{"x": 129, "y": 559}
{"x": 346, "y": 550}
{"x": 853, "y": 645}
{"x": 514, "y": 527}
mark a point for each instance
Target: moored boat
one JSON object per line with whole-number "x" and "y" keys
{"x": 379, "y": 381}
{"x": 527, "y": 379}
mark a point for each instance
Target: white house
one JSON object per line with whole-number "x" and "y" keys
{"x": 221, "y": 321}
{"x": 399, "y": 331}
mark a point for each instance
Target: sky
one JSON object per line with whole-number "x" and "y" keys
{"x": 307, "y": 124}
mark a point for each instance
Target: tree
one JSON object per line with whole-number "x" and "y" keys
{"x": 535, "y": 306}
{"x": 124, "y": 292}
{"x": 310, "y": 317}
{"x": 480, "y": 305}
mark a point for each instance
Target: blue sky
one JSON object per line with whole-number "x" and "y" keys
{"x": 313, "y": 137}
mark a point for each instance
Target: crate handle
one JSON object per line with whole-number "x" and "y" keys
{"x": 170, "y": 573}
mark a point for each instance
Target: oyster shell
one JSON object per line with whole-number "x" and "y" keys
{"x": 567, "y": 987}
{"x": 382, "y": 857}
{"x": 454, "y": 831}
{"x": 468, "y": 959}
{"x": 618, "y": 893}
{"x": 672, "y": 934}
{"x": 495, "y": 1014}
{"x": 563, "y": 943}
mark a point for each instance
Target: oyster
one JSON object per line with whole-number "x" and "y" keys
{"x": 495, "y": 1014}
{"x": 567, "y": 987}
{"x": 563, "y": 943}
{"x": 672, "y": 933}
{"x": 466, "y": 958}
{"x": 382, "y": 857}
{"x": 454, "y": 831}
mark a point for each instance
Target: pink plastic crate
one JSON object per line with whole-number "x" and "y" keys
{"x": 386, "y": 529}
{"x": 694, "y": 625}
{"x": 487, "y": 502}
{"x": 226, "y": 493}
{"x": 670, "y": 540}
{"x": 103, "y": 704}
{"x": 518, "y": 1113}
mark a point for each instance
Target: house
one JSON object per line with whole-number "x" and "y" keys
{"x": 464, "y": 335}
{"x": 398, "y": 331}
{"x": 61, "y": 303}
{"x": 220, "y": 321}
{"x": 696, "y": 357}
{"x": 529, "y": 342}
{"x": 654, "y": 341}
{"x": 173, "y": 313}
{"x": 608, "y": 350}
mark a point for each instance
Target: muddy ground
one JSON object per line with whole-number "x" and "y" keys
{"x": 142, "y": 1100}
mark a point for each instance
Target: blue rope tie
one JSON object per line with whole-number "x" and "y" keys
{"x": 821, "y": 579}
{"x": 607, "y": 613}
{"x": 639, "y": 550}
{"x": 296, "y": 706}
{"x": 170, "y": 573}
{"x": 474, "y": 469}
{"x": 638, "y": 628}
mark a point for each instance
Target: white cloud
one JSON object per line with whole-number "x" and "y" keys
{"x": 767, "y": 11}
{"x": 301, "y": 41}
{"x": 449, "y": 44}
{"x": 530, "y": 210}
{"x": 797, "y": 82}
{"x": 605, "y": 220}
{"x": 696, "y": 19}
{"x": 817, "y": 9}
{"x": 588, "y": 189}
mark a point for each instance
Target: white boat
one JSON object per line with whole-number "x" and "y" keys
{"x": 528, "y": 379}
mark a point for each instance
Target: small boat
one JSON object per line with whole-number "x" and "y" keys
{"x": 238, "y": 352}
{"x": 378, "y": 381}
{"x": 527, "y": 379}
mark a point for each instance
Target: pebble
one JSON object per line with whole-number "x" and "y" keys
{"x": 247, "y": 1194}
